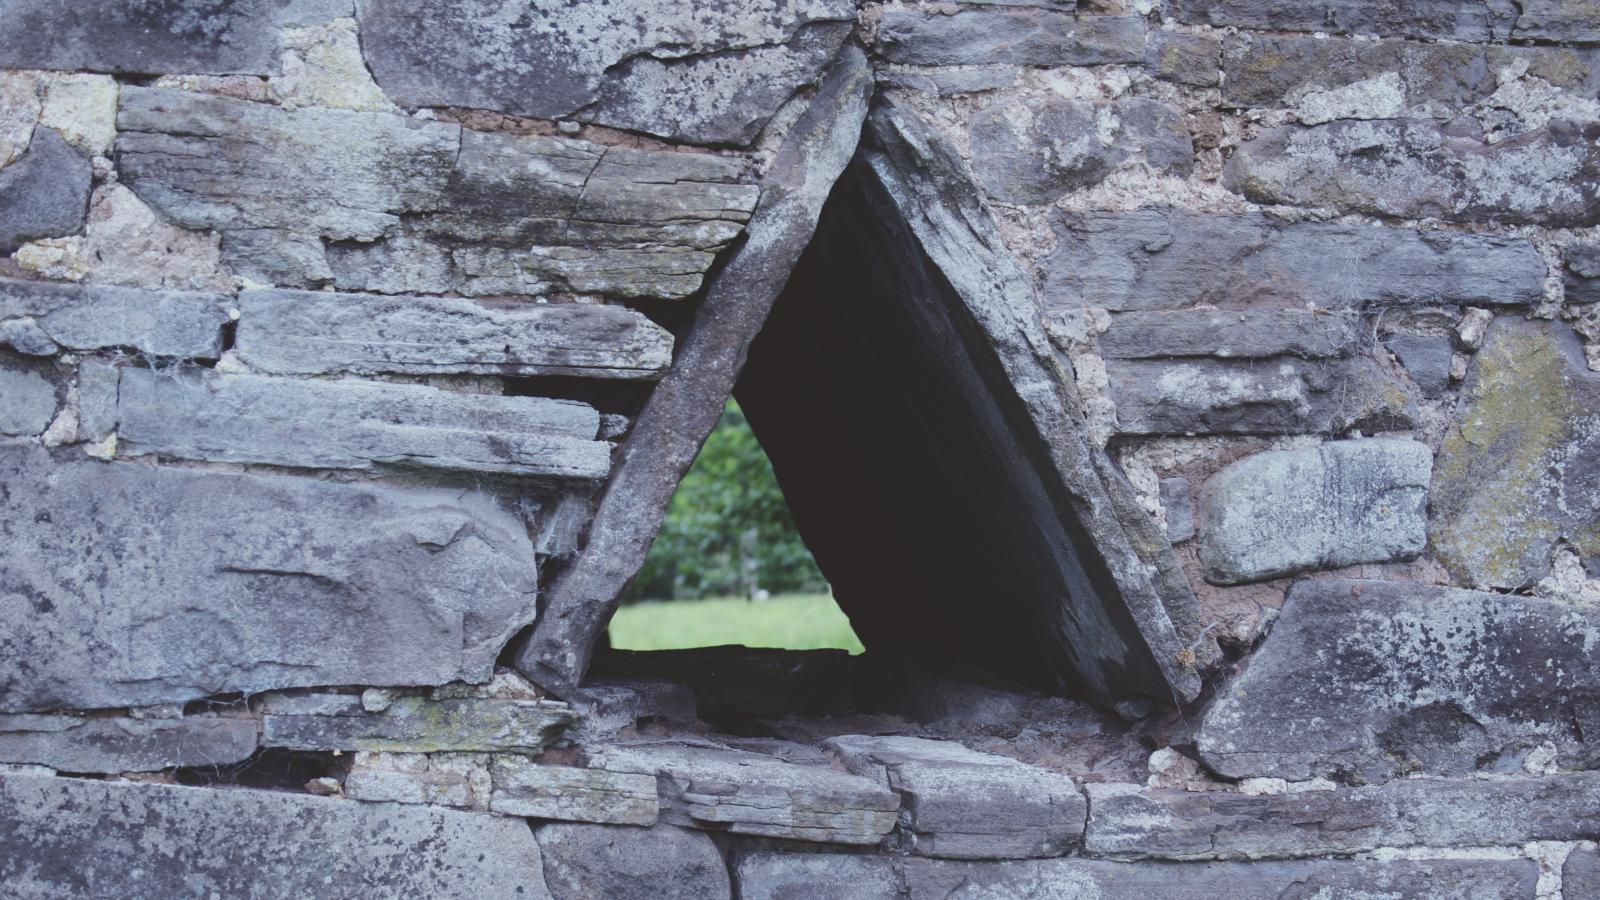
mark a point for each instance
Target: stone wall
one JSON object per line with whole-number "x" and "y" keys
{"x": 351, "y": 350}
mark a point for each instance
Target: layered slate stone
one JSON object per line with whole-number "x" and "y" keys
{"x": 660, "y": 863}
{"x": 232, "y": 572}
{"x": 1519, "y": 474}
{"x": 1022, "y": 37}
{"x": 412, "y": 724}
{"x": 167, "y": 36}
{"x": 697, "y": 72}
{"x": 73, "y": 837}
{"x": 45, "y": 193}
{"x": 962, "y": 804}
{"x": 72, "y": 743}
{"x": 1338, "y": 504}
{"x": 1165, "y": 258}
{"x": 319, "y": 332}
{"x": 1389, "y": 678}
{"x": 29, "y": 395}
{"x": 705, "y": 786}
{"x": 39, "y": 317}
{"x": 349, "y": 424}
{"x": 1067, "y": 145}
{"x": 1458, "y": 20}
{"x": 1557, "y": 20}
{"x": 1237, "y": 334}
{"x": 523, "y": 787}
{"x": 1421, "y": 169}
{"x": 395, "y": 204}
{"x": 1128, "y": 822}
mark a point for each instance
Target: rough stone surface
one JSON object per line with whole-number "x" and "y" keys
{"x": 1557, "y": 20}
{"x": 1444, "y": 19}
{"x": 1338, "y": 504}
{"x": 28, "y": 396}
{"x": 818, "y": 876}
{"x": 660, "y": 863}
{"x": 1580, "y": 876}
{"x": 43, "y": 194}
{"x": 1177, "y": 500}
{"x": 1418, "y": 169}
{"x": 1192, "y": 59}
{"x": 1517, "y": 476}
{"x": 318, "y": 332}
{"x": 1163, "y": 258}
{"x": 420, "y": 725}
{"x": 1426, "y": 359}
{"x": 1246, "y": 334}
{"x": 962, "y": 804}
{"x": 566, "y": 793}
{"x": 201, "y": 414}
{"x": 1583, "y": 273}
{"x": 445, "y": 779}
{"x": 751, "y": 793}
{"x": 1387, "y": 678}
{"x": 159, "y": 323}
{"x": 697, "y": 72}
{"x": 1128, "y": 822}
{"x": 1064, "y": 145}
{"x": 113, "y": 744}
{"x": 1022, "y": 37}
{"x": 402, "y": 586}
{"x": 71, "y": 837}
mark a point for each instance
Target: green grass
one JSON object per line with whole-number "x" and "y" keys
{"x": 793, "y": 622}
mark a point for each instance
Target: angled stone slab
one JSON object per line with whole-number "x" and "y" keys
{"x": 1164, "y": 258}
{"x": 1519, "y": 471}
{"x": 1385, "y": 678}
{"x": 179, "y": 324}
{"x": 401, "y": 586}
{"x": 523, "y": 787}
{"x": 1130, "y": 822}
{"x": 1459, "y": 20}
{"x": 318, "y": 332}
{"x": 113, "y": 744}
{"x": 414, "y": 724}
{"x": 348, "y": 424}
{"x": 1338, "y": 504}
{"x": 962, "y": 804}
{"x": 661, "y": 863}
{"x": 1022, "y": 37}
{"x": 74, "y": 837}
{"x": 716, "y": 788}
{"x": 45, "y": 193}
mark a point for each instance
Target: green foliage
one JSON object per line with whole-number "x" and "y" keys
{"x": 728, "y": 531}
{"x": 796, "y": 622}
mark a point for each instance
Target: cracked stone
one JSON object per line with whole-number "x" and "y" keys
{"x": 414, "y": 725}
{"x": 44, "y": 193}
{"x": 112, "y": 744}
{"x": 460, "y": 780}
{"x": 159, "y": 323}
{"x": 523, "y": 787}
{"x": 1022, "y": 37}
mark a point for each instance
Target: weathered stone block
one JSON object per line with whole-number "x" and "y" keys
{"x": 1419, "y": 169}
{"x": 1580, "y": 875}
{"x": 1022, "y": 37}
{"x": 206, "y": 415}
{"x": 751, "y": 793}
{"x": 121, "y": 744}
{"x": 818, "y": 876}
{"x": 661, "y": 863}
{"x": 45, "y": 193}
{"x": 1388, "y": 678}
{"x": 1582, "y": 264}
{"x": 28, "y": 396}
{"x": 74, "y": 837}
{"x": 1192, "y": 59}
{"x": 523, "y": 787}
{"x": 232, "y": 572}
{"x": 1177, "y": 500}
{"x": 1065, "y": 145}
{"x": 697, "y": 72}
{"x": 443, "y": 779}
{"x": 962, "y": 804}
{"x": 1338, "y": 504}
{"x": 1557, "y": 20}
{"x": 177, "y": 324}
{"x": 1460, "y": 20}
{"x": 1128, "y": 822}
{"x": 317, "y": 332}
{"x": 1519, "y": 471}
{"x": 1426, "y": 358}
{"x": 1162, "y": 258}
{"x": 421, "y": 725}
{"x": 1246, "y": 334}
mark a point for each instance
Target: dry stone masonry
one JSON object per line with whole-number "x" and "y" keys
{"x": 1192, "y": 403}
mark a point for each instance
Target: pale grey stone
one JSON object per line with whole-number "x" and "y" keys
{"x": 400, "y": 586}
{"x": 751, "y": 793}
{"x": 962, "y": 804}
{"x": 180, "y": 324}
{"x": 113, "y": 744}
{"x": 28, "y": 397}
{"x": 1024, "y": 37}
{"x": 1460, "y": 20}
{"x": 206, "y": 415}
{"x": 523, "y": 787}
{"x": 460, "y": 780}
{"x": 1164, "y": 258}
{"x": 1130, "y": 822}
{"x": 582, "y": 862}
{"x": 691, "y": 71}
{"x": 68, "y": 837}
{"x": 1557, "y": 20}
{"x": 765, "y": 875}
{"x": 317, "y": 332}
{"x": 1067, "y": 145}
{"x": 26, "y": 337}
{"x": 1426, "y": 357}
{"x": 1580, "y": 875}
{"x": 1192, "y": 59}
{"x": 97, "y": 399}
{"x": 1178, "y": 502}
{"x": 1338, "y": 504}
{"x": 422, "y": 725}
{"x": 1582, "y": 273}
{"x": 1244, "y": 334}
{"x": 1384, "y": 678}
{"x": 45, "y": 193}
{"x": 1519, "y": 469}
{"x": 1419, "y": 169}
